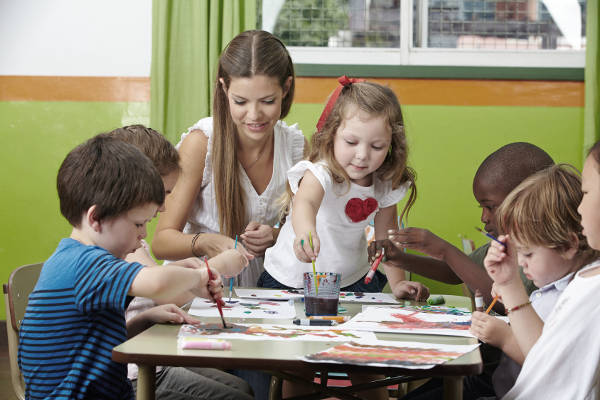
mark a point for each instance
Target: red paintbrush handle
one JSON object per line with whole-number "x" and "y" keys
{"x": 211, "y": 277}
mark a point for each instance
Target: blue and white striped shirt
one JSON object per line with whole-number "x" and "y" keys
{"x": 74, "y": 318}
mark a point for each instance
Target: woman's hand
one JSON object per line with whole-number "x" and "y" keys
{"x": 257, "y": 238}
{"x": 230, "y": 262}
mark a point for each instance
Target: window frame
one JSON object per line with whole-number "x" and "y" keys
{"x": 547, "y": 63}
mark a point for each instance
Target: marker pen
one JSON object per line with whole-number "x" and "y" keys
{"x": 315, "y": 322}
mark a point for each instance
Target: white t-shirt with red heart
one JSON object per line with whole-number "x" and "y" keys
{"x": 341, "y": 220}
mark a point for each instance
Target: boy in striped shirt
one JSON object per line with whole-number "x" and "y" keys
{"x": 108, "y": 191}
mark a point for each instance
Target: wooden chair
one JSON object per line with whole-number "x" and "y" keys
{"x": 16, "y": 295}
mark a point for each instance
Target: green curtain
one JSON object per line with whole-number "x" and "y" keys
{"x": 187, "y": 39}
{"x": 591, "y": 132}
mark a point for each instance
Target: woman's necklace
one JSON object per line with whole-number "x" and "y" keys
{"x": 258, "y": 157}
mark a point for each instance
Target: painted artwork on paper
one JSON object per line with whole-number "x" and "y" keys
{"x": 399, "y": 320}
{"x": 362, "y": 297}
{"x": 286, "y": 294}
{"x": 269, "y": 294}
{"x": 243, "y": 308}
{"x": 411, "y": 355}
{"x": 274, "y": 332}
{"x": 428, "y": 309}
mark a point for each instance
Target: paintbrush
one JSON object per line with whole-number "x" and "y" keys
{"x": 492, "y": 304}
{"x": 231, "y": 279}
{"x": 220, "y": 301}
{"x": 490, "y": 236}
{"x": 313, "y": 265}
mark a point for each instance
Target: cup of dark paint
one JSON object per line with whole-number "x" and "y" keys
{"x": 323, "y": 301}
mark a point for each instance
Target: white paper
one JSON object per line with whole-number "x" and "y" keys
{"x": 244, "y": 308}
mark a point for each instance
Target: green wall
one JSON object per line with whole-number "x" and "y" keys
{"x": 447, "y": 143}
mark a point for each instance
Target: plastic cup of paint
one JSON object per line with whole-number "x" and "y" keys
{"x": 325, "y": 300}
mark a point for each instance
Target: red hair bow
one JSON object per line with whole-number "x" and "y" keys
{"x": 344, "y": 81}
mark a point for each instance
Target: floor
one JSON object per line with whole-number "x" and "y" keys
{"x": 6, "y": 390}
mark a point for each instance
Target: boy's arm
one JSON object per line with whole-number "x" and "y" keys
{"x": 164, "y": 285}
{"x": 447, "y": 263}
{"x": 512, "y": 349}
{"x": 501, "y": 265}
{"x": 305, "y": 205}
{"x": 385, "y": 219}
{"x": 160, "y": 314}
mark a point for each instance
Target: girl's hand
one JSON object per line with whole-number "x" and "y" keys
{"x": 420, "y": 240}
{"x": 230, "y": 262}
{"x": 501, "y": 262}
{"x": 489, "y": 329}
{"x": 411, "y": 290}
{"x": 302, "y": 247}
{"x": 257, "y": 238}
{"x": 168, "y": 313}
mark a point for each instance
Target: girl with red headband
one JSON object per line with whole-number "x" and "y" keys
{"x": 356, "y": 172}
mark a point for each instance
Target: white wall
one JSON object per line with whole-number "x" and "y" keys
{"x": 75, "y": 37}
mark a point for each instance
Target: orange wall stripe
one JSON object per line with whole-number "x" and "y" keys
{"x": 459, "y": 92}
{"x": 311, "y": 90}
{"x": 74, "y": 88}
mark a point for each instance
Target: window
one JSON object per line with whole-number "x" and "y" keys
{"x": 497, "y": 33}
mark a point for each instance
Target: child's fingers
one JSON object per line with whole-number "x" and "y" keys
{"x": 423, "y": 292}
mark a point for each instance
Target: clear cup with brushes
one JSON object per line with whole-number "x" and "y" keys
{"x": 321, "y": 293}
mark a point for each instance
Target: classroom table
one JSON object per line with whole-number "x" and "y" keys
{"x": 158, "y": 346}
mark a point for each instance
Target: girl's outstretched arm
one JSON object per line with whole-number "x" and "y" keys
{"x": 305, "y": 206}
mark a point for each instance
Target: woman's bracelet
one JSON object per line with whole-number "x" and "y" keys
{"x": 515, "y": 308}
{"x": 196, "y": 236}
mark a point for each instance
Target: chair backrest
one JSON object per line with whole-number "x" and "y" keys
{"x": 16, "y": 295}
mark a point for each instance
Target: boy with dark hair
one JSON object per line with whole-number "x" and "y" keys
{"x": 108, "y": 191}
{"x": 496, "y": 177}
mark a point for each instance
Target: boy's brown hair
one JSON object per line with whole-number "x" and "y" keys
{"x": 542, "y": 211}
{"x": 106, "y": 172}
{"x": 154, "y": 145}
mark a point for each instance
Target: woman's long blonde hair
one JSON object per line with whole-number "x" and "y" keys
{"x": 248, "y": 54}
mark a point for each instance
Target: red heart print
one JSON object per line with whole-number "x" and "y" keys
{"x": 358, "y": 210}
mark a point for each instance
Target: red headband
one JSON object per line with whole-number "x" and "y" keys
{"x": 344, "y": 81}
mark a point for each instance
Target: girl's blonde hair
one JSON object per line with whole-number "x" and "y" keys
{"x": 375, "y": 100}
{"x": 248, "y": 54}
{"x": 542, "y": 211}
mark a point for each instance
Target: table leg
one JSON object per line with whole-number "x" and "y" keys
{"x": 453, "y": 387}
{"x": 146, "y": 382}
